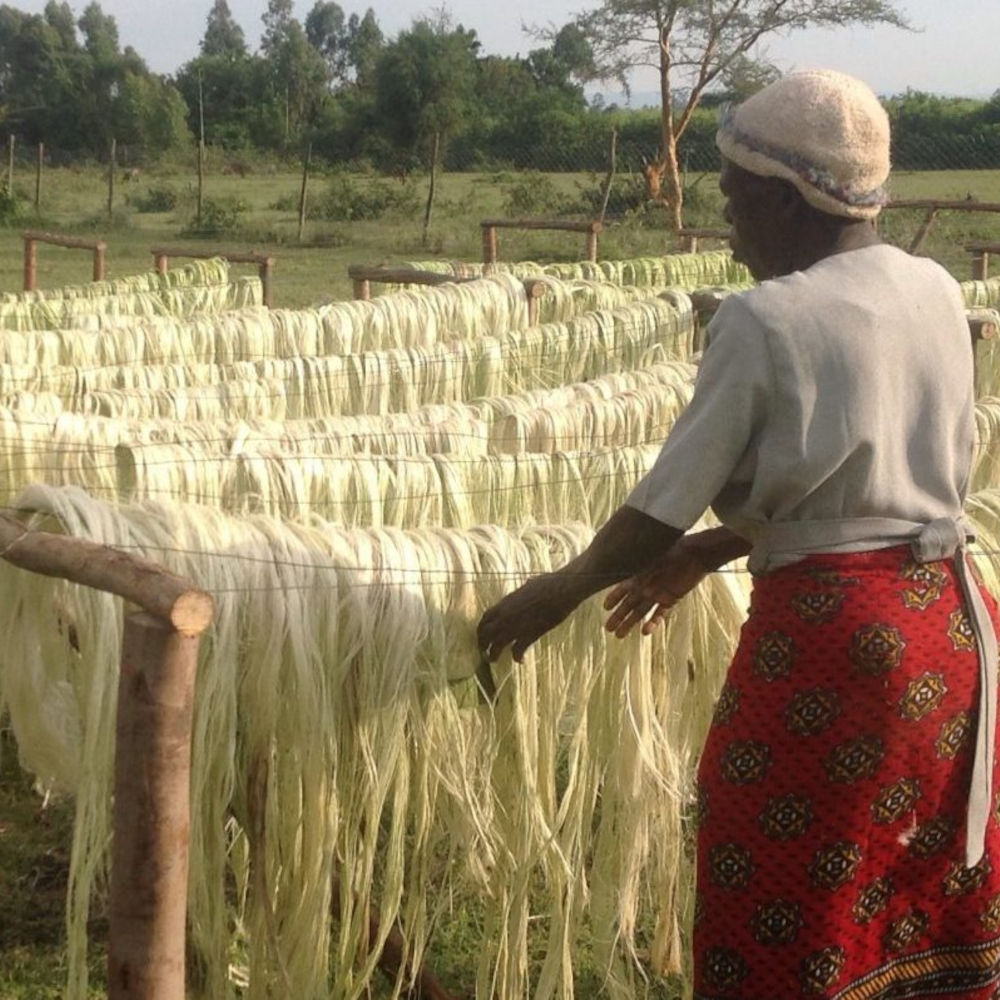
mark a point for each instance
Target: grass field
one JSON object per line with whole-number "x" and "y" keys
{"x": 315, "y": 270}
{"x": 34, "y": 837}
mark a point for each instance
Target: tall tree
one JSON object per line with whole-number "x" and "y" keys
{"x": 278, "y": 19}
{"x": 365, "y": 42}
{"x": 690, "y": 43}
{"x": 223, "y": 36}
{"x": 423, "y": 84}
{"x": 326, "y": 29}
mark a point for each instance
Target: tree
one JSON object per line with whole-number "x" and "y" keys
{"x": 365, "y": 42}
{"x": 690, "y": 44}
{"x": 223, "y": 36}
{"x": 326, "y": 30}
{"x": 423, "y": 83}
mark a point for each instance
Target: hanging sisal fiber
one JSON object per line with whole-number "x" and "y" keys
{"x": 681, "y": 270}
{"x": 482, "y": 308}
{"x": 338, "y": 734}
{"x": 197, "y": 287}
{"x": 374, "y": 382}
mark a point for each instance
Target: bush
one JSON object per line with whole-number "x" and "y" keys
{"x": 10, "y": 205}
{"x": 218, "y": 217}
{"x": 161, "y": 198}
{"x": 533, "y": 194}
{"x": 348, "y": 200}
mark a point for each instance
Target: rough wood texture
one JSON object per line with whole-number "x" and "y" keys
{"x": 168, "y": 597}
{"x": 73, "y": 242}
{"x": 558, "y": 224}
{"x": 151, "y": 830}
{"x": 491, "y": 245}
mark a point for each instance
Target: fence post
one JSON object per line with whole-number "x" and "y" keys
{"x": 99, "y": 248}
{"x": 151, "y": 835}
{"x": 111, "y": 179}
{"x": 980, "y": 265}
{"x": 490, "y": 247}
{"x": 10, "y": 163}
{"x": 303, "y": 191}
{"x": 38, "y": 176}
{"x": 267, "y": 281}
{"x": 592, "y": 246}
{"x": 30, "y": 264}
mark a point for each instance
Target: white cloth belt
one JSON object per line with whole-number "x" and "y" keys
{"x": 785, "y": 542}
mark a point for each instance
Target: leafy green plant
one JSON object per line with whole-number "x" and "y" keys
{"x": 348, "y": 200}
{"x": 10, "y": 205}
{"x": 218, "y": 216}
{"x": 159, "y": 198}
{"x": 532, "y": 194}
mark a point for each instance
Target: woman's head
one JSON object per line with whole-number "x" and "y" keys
{"x": 802, "y": 158}
{"x": 823, "y": 131}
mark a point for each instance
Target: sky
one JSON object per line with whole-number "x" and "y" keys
{"x": 955, "y": 52}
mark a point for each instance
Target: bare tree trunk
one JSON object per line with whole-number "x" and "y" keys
{"x": 671, "y": 188}
{"x": 672, "y": 184}
{"x": 201, "y": 153}
{"x": 435, "y": 149}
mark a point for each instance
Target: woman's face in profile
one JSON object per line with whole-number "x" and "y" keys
{"x": 755, "y": 210}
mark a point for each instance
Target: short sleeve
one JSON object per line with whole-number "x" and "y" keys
{"x": 713, "y": 434}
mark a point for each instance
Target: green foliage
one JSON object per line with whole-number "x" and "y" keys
{"x": 350, "y": 200}
{"x": 219, "y": 217}
{"x": 424, "y": 83}
{"x": 10, "y": 205}
{"x": 533, "y": 194}
{"x": 157, "y": 198}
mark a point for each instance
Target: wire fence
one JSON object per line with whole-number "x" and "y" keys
{"x": 586, "y": 174}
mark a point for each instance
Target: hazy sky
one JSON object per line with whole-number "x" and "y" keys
{"x": 956, "y": 52}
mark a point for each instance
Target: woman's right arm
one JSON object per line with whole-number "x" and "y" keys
{"x": 648, "y": 596}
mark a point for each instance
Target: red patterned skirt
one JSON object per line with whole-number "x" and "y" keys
{"x": 833, "y": 792}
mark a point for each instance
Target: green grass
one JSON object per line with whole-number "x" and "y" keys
{"x": 34, "y": 865}
{"x": 74, "y": 200}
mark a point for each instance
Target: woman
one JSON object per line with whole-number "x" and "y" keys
{"x": 847, "y": 846}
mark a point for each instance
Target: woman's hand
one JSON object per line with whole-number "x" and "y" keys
{"x": 655, "y": 590}
{"x": 526, "y": 614}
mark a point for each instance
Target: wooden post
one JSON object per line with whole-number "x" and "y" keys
{"x": 111, "y": 178}
{"x": 99, "y": 249}
{"x": 201, "y": 151}
{"x": 925, "y": 228}
{"x": 609, "y": 180}
{"x": 431, "y": 188}
{"x": 38, "y": 176}
{"x": 980, "y": 265}
{"x": 592, "y": 246}
{"x": 10, "y": 163}
{"x": 160, "y": 262}
{"x": 490, "y": 243}
{"x": 266, "y": 271}
{"x": 151, "y": 829}
{"x": 30, "y": 264}
{"x": 535, "y": 291}
{"x": 302, "y": 192}
{"x": 362, "y": 289}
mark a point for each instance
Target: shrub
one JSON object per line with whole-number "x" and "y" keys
{"x": 218, "y": 217}
{"x": 161, "y": 198}
{"x": 533, "y": 194}
{"x": 10, "y": 205}
{"x": 348, "y": 200}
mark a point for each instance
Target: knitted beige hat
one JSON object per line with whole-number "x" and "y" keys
{"x": 824, "y": 131}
